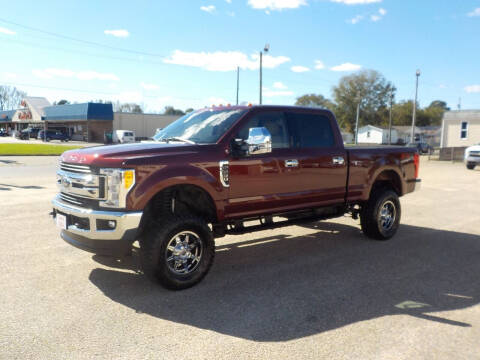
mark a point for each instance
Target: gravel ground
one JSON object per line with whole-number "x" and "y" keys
{"x": 300, "y": 292}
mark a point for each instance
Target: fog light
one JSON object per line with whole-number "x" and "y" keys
{"x": 112, "y": 224}
{"x": 106, "y": 225}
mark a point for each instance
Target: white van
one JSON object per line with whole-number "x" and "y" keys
{"x": 123, "y": 136}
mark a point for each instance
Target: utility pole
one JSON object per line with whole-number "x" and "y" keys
{"x": 238, "y": 80}
{"x": 356, "y": 122}
{"x": 412, "y": 138}
{"x": 390, "y": 120}
{"x": 265, "y": 49}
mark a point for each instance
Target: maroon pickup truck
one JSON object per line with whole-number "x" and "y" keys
{"x": 225, "y": 170}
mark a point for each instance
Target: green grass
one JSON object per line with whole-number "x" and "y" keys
{"x": 34, "y": 149}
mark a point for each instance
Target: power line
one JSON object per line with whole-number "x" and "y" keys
{"x": 79, "y": 40}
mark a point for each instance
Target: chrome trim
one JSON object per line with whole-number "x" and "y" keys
{"x": 127, "y": 222}
{"x": 82, "y": 185}
{"x": 338, "y": 160}
{"x": 70, "y": 199}
{"x": 291, "y": 163}
{"x": 75, "y": 167}
{"x": 224, "y": 173}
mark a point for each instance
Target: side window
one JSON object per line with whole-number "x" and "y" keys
{"x": 275, "y": 123}
{"x": 464, "y": 131}
{"x": 311, "y": 130}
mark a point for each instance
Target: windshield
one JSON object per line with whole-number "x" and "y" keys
{"x": 201, "y": 127}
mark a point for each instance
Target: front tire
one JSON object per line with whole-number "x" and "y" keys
{"x": 177, "y": 252}
{"x": 380, "y": 216}
{"x": 470, "y": 166}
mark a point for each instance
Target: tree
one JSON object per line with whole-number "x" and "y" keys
{"x": 10, "y": 97}
{"x": 170, "y": 110}
{"x": 313, "y": 100}
{"x": 62, "y": 102}
{"x": 434, "y": 112}
{"x": 128, "y": 107}
{"x": 371, "y": 90}
{"x": 189, "y": 110}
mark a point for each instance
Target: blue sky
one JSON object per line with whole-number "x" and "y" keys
{"x": 184, "y": 53}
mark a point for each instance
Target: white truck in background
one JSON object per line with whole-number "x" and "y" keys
{"x": 123, "y": 136}
{"x": 472, "y": 156}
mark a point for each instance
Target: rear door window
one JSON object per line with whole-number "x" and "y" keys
{"x": 310, "y": 130}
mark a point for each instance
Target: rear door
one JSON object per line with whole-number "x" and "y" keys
{"x": 321, "y": 157}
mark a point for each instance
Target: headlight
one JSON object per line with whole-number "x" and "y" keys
{"x": 118, "y": 182}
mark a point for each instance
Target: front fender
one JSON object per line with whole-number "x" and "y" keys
{"x": 150, "y": 183}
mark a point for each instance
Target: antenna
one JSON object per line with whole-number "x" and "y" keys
{"x": 459, "y": 104}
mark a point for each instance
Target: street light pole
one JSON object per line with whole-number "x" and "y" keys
{"x": 238, "y": 80}
{"x": 356, "y": 122}
{"x": 265, "y": 49}
{"x": 412, "y": 138}
{"x": 390, "y": 120}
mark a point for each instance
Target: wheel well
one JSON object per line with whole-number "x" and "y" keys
{"x": 388, "y": 179}
{"x": 181, "y": 200}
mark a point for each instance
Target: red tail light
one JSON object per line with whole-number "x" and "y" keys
{"x": 416, "y": 161}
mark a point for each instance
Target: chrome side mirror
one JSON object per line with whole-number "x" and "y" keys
{"x": 259, "y": 141}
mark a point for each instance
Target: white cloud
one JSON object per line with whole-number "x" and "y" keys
{"x": 231, "y": 13}
{"x": 279, "y": 85}
{"x": 122, "y": 33}
{"x": 223, "y": 60}
{"x": 209, "y": 8}
{"x": 229, "y": 1}
{"x": 276, "y": 4}
{"x": 275, "y": 93}
{"x": 472, "y": 89}
{"x": 147, "y": 86}
{"x": 475, "y": 12}
{"x": 93, "y": 75}
{"x": 51, "y": 73}
{"x": 6, "y": 31}
{"x": 382, "y": 11}
{"x": 299, "y": 69}
{"x": 346, "y": 67}
{"x": 9, "y": 75}
{"x": 356, "y": 2}
{"x": 319, "y": 65}
{"x": 355, "y": 20}
{"x": 375, "y": 18}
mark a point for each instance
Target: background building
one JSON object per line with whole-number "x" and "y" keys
{"x": 460, "y": 128}
{"x": 144, "y": 125}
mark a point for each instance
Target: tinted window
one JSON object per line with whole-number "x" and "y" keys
{"x": 311, "y": 130}
{"x": 275, "y": 123}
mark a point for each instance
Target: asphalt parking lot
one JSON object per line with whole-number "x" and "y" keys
{"x": 301, "y": 292}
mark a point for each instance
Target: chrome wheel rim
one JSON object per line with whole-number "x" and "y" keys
{"x": 184, "y": 252}
{"x": 387, "y": 215}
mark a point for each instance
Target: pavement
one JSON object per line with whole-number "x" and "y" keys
{"x": 318, "y": 291}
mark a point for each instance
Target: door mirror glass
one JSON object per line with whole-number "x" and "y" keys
{"x": 259, "y": 141}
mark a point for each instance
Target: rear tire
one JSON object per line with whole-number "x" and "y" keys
{"x": 470, "y": 166}
{"x": 177, "y": 252}
{"x": 380, "y": 216}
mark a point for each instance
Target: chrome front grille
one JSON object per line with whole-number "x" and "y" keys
{"x": 70, "y": 199}
{"x": 75, "y": 168}
{"x": 79, "y": 182}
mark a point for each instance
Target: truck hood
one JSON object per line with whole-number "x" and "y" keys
{"x": 474, "y": 148}
{"x": 121, "y": 155}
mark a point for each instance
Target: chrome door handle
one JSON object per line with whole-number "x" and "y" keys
{"x": 338, "y": 160}
{"x": 291, "y": 163}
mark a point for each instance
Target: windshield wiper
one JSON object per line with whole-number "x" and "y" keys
{"x": 174, "y": 138}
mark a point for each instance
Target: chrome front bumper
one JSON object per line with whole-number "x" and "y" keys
{"x": 90, "y": 237}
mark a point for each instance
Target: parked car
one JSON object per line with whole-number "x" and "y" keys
{"x": 422, "y": 147}
{"x": 52, "y": 135}
{"x": 123, "y": 136}
{"x": 472, "y": 156}
{"x": 29, "y": 133}
{"x": 3, "y": 132}
{"x": 215, "y": 172}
